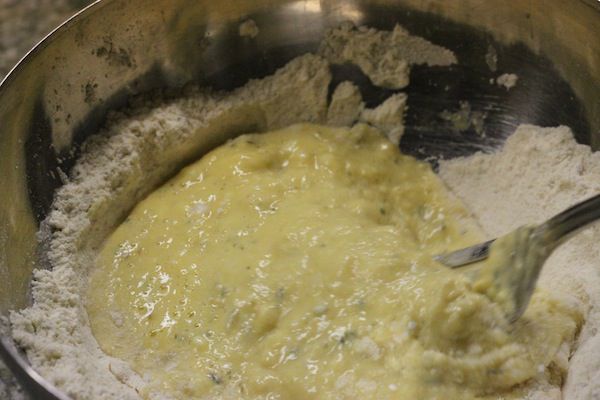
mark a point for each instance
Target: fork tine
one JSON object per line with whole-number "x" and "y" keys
{"x": 466, "y": 256}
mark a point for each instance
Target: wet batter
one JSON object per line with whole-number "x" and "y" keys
{"x": 297, "y": 264}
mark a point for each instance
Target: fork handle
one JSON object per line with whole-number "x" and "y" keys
{"x": 563, "y": 226}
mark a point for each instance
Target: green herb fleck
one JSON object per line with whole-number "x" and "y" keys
{"x": 216, "y": 379}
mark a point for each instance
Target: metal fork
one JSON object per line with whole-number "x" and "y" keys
{"x": 511, "y": 278}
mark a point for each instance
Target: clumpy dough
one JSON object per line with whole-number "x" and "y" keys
{"x": 388, "y": 117}
{"x": 298, "y": 264}
{"x": 249, "y": 29}
{"x": 345, "y": 106}
{"x": 384, "y": 56}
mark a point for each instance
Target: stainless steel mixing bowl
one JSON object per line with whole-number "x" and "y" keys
{"x": 61, "y": 92}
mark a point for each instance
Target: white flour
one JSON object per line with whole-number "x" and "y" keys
{"x": 507, "y": 80}
{"x": 539, "y": 172}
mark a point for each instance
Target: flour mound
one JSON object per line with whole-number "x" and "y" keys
{"x": 538, "y": 173}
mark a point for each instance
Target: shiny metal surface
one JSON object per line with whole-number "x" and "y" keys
{"x": 61, "y": 92}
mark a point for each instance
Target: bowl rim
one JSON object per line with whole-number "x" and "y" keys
{"x": 44, "y": 42}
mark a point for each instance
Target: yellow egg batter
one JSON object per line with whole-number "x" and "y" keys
{"x": 297, "y": 264}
